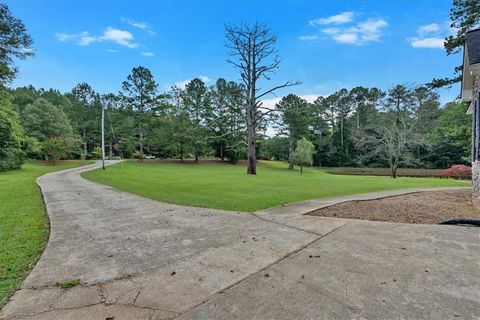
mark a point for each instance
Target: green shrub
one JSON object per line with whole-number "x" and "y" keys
{"x": 96, "y": 154}
{"x": 11, "y": 135}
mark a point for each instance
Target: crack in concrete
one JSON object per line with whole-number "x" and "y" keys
{"x": 93, "y": 284}
{"x": 343, "y": 303}
{"x": 283, "y": 225}
{"x": 95, "y": 304}
{"x": 260, "y": 270}
{"x": 101, "y": 294}
{"x": 137, "y": 295}
{"x": 144, "y": 308}
{"x": 52, "y": 309}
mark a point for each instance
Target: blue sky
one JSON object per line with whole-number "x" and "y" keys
{"x": 325, "y": 44}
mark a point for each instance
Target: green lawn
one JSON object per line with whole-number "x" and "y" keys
{"x": 228, "y": 187}
{"x": 24, "y": 224}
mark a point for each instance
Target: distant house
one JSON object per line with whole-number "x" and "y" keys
{"x": 471, "y": 93}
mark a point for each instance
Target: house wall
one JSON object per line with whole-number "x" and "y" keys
{"x": 476, "y": 141}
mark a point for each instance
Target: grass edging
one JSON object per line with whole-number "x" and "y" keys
{"x": 25, "y": 228}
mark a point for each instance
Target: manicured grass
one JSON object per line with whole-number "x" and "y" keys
{"x": 24, "y": 225}
{"x": 228, "y": 187}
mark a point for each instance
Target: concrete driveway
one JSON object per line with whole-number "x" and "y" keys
{"x": 141, "y": 259}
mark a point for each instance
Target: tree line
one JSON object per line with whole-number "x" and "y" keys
{"x": 359, "y": 127}
{"x": 195, "y": 121}
{"x": 403, "y": 126}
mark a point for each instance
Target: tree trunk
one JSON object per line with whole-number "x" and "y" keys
{"x": 301, "y": 169}
{"x": 290, "y": 155}
{"x": 358, "y": 118}
{"x": 181, "y": 152}
{"x": 251, "y": 140}
{"x": 393, "y": 169}
{"x": 394, "y": 172}
{"x": 341, "y": 131}
{"x": 141, "y": 143}
{"x": 84, "y": 144}
{"x": 110, "y": 149}
{"x": 196, "y": 152}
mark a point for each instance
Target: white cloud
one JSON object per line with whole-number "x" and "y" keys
{"x": 145, "y": 26}
{"x": 204, "y": 79}
{"x": 26, "y": 50}
{"x": 148, "y": 54}
{"x": 370, "y": 30}
{"x": 85, "y": 39}
{"x": 310, "y": 97}
{"x": 182, "y": 84}
{"x": 62, "y": 36}
{"x": 340, "y": 18}
{"x": 428, "y": 28}
{"x": 120, "y": 37}
{"x": 270, "y": 103}
{"x": 429, "y": 36}
{"x": 349, "y": 38}
{"x": 308, "y": 38}
{"x": 427, "y": 42}
{"x": 331, "y": 31}
{"x": 362, "y": 32}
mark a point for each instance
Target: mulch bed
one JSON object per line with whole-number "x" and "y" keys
{"x": 401, "y": 172}
{"x": 421, "y": 207}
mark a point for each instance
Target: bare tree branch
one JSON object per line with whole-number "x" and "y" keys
{"x": 285, "y": 85}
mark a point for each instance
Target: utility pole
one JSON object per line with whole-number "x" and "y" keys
{"x": 103, "y": 137}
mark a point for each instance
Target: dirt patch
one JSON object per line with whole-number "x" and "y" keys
{"x": 421, "y": 207}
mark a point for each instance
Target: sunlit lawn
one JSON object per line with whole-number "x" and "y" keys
{"x": 24, "y": 226}
{"x": 225, "y": 186}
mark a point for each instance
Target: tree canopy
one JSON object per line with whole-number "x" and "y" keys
{"x": 304, "y": 153}
{"x": 11, "y": 135}
{"x": 15, "y": 42}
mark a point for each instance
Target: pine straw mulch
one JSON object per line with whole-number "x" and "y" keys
{"x": 422, "y": 207}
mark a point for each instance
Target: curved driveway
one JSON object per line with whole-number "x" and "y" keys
{"x": 141, "y": 259}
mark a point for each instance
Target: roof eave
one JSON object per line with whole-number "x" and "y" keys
{"x": 468, "y": 76}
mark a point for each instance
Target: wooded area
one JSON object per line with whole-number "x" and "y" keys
{"x": 405, "y": 126}
{"x": 358, "y": 127}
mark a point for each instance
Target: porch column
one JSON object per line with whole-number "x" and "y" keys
{"x": 476, "y": 141}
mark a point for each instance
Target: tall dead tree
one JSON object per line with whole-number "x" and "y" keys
{"x": 254, "y": 54}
